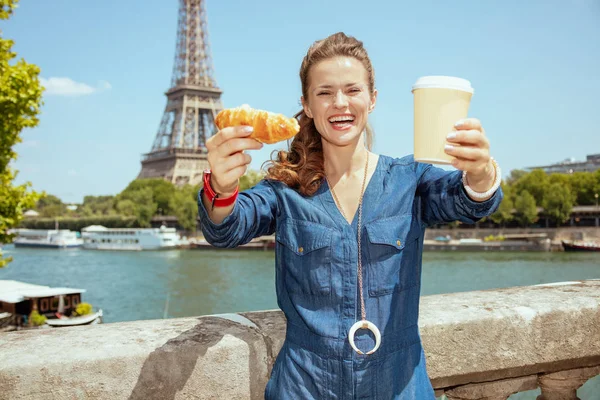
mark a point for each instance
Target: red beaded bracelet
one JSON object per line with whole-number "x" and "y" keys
{"x": 213, "y": 197}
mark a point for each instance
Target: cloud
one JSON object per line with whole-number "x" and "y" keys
{"x": 72, "y": 172}
{"x": 59, "y": 86}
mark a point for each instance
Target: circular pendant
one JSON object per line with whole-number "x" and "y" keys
{"x": 364, "y": 324}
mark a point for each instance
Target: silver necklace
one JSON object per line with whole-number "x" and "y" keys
{"x": 363, "y": 323}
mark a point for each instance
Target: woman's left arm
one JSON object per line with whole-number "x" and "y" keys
{"x": 445, "y": 195}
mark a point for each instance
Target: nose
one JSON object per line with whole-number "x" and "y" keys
{"x": 340, "y": 100}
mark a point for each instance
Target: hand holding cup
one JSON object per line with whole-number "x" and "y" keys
{"x": 471, "y": 151}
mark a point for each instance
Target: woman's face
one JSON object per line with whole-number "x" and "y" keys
{"x": 339, "y": 100}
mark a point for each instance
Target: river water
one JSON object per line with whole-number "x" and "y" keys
{"x": 182, "y": 283}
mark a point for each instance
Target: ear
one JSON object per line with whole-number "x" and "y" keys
{"x": 373, "y": 100}
{"x": 305, "y": 107}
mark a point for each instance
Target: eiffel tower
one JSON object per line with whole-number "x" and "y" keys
{"x": 179, "y": 153}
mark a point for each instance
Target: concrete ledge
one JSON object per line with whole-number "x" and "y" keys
{"x": 495, "y": 334}
{"x": 471, "y": 337}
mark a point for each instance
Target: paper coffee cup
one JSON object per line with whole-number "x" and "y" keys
{"x": 439, "y": 102}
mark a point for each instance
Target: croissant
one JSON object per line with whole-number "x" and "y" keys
{"x": 268, "y": 127}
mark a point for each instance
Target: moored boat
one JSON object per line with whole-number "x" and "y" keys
{"x": 97, "y": 237}
{"x": 23, "y": 302}
{"x": 53, "y": 238}
{"x": 580, "y": 246}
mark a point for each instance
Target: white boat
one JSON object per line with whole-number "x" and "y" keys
{"x": 98, "y": 237}
{"x": 54, "y": 238}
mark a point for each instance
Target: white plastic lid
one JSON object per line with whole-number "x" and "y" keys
{"x": 443, "y": 82}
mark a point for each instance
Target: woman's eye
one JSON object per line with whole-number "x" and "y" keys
{"x": 322, "y": 93}
{"x": 354, "y": 90}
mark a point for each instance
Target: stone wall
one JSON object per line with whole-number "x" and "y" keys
{"x": 476, "y": 339}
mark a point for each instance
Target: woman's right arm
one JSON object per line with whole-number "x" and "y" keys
{"x": 253, "y": 212}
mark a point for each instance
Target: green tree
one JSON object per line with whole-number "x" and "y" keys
{"x": 515, "y": 175}
{"x": 126, "y": 207}
{"x": 504, "y": 213}
{"x": 536, "y": 183}
{"x": 161, "y": 190}
{"x": 50, "y": 206}
{"x": 250, "y": 179}
{"x": 185, "y": 206}
{"x": 558, "y": 203}
{"x": 145, "y": 207}
{"x": 98, "y": 206}
{"x": 525, "y": 208}
{"x": 20, "y": 101}
{"x": 584, "y": 186}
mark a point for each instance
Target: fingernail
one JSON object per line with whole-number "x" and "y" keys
{"x": 451, "y": 136}
{"x": 247, "y": 129}
{"x": 454, "y": 162}
{"x": 459, "y": 123}
{"x": 449, "y": 147}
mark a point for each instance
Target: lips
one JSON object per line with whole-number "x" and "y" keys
{"x": 341, "y": 122}
{"x": 341, "y": 118}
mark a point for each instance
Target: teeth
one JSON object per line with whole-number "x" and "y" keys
{"x": 341, "y": 118}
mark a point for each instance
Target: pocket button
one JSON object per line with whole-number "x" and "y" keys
{"x": 300, "y": 249}
{"x": 398, "y": 242}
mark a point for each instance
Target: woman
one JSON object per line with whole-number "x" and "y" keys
{"x": 328, "y": 200}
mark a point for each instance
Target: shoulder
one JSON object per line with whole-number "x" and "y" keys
{"x": 405, "y": 163}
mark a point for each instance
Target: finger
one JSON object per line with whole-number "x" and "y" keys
{"x": 236, "y": 173}
{"x": 468, "y": 123}
{"x": 236, "y": 145}
{"x": 228, "y": 133}
{"x": 234, "y": 161}
{"x": 469, "y": 138}
{"x": 475, "y": 167}
{"x": 468, "y": 153}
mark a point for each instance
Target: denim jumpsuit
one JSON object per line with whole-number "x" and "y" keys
{"x": 316, "y": 277}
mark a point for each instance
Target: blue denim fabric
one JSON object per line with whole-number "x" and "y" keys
{"x": 316, "y": 277}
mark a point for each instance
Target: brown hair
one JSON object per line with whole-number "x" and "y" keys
{"x": 301, "y": 167}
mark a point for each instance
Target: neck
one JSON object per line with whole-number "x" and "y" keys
{"x": 343, "y": 162}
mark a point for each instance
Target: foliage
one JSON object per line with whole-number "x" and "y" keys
{"x": 20, "y": 101}
{"x": 76, "y": 224}
{"x": 36, "y": 319}
{"x": 160, "y": 191}
{"x": 185, "y": 206}
{"x": 515, "y": 175}
{"x": 558, "y": 203}
{"x": 250, "y": 179}
{"x": 142, "y": 198}
{"x": 584, "y": 186}
{"x": 50, "y": 206}
{"x": 82, "y": 309}
{"x": 505, "y": 210}
{"x": 536, "y": 183}
{"x": 97, "y": 206}
{"x": 525, "y": 208}
{"x": 492, "y": 238}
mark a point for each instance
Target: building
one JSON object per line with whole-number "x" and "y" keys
{"x": 569, "y": 166}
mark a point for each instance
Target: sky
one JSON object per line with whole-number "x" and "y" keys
{"x": 535, "y": 68}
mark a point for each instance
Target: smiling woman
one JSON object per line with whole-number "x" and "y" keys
{"x": 347, "y": 276}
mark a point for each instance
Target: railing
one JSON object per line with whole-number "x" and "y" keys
{"x": 479, "y": 345}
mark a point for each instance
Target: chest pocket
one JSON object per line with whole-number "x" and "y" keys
{"x": 306, "y": 256}
{"x": 392, "y": 259}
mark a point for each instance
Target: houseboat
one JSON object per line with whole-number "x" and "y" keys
{"x": 19, "y": 299}
{"x": 54, "y": 238}
{"x": 98, "y": 237}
